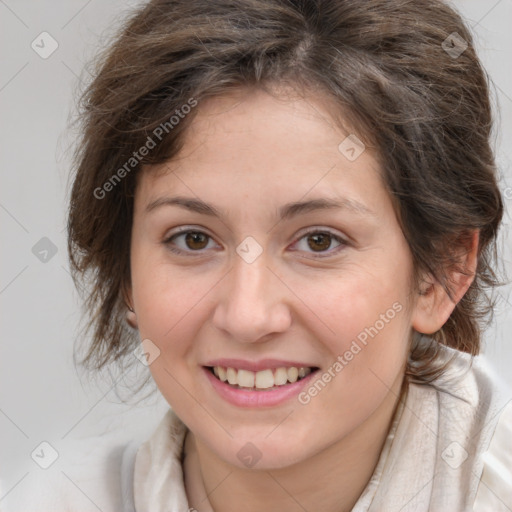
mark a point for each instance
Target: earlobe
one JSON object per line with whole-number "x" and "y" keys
{"x": 131, "y": 317}
{"x": 433, "y": 304}
{"x": 433, "y": 307}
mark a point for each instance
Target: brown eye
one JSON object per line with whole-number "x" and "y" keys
{"x": 196, "y": 240}
{"x": 319, "y": 241}
{"x": 188, "y": 241}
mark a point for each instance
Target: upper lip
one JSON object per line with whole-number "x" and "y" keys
{"x": 256, "y": 366}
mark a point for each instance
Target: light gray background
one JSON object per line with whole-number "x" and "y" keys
{"x": 41, "y": 395}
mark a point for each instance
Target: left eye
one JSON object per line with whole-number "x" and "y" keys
{"x": 320, "y": 242}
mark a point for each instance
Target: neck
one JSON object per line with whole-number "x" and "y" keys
{"x": 331, "y": 481}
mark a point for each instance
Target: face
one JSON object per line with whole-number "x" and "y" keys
{"x": 283, "y": 251}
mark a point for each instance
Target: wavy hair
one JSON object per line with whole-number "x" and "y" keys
{"x": 402, "y": 79}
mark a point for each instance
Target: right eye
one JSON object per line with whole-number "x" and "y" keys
{"x": 192, "y": 241}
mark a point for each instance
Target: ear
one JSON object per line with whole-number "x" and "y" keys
{"x": 433, "y": 306}
{"x": 131, "y": 317}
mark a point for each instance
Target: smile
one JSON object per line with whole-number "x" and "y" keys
{"x": 266, "y": 384}
{"x": 260, "y": 380}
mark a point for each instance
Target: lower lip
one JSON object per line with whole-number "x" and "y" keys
{"x": 253, "y": 398}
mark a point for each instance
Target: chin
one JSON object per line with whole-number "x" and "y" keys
{"x": 261, "y": 454}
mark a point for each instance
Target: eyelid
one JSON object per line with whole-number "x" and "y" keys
{"x": 340, "y": 235}
{"x": 343, "y": 241}
{"x": 184, "y": 230}
{"x": 321, "y": 229}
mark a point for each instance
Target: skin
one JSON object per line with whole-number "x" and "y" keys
{"x": 248, "y": 153}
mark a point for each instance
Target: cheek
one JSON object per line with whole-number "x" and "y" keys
{"x": 169, "y": 314}
{"x": 160, "y": 302}
{"x": 162, "y": 296}
{"x": 172, "y": 306}
{"x": 369, "y": 325}
{"x": 366, "y": 354}
{"x": 355, "y": 302}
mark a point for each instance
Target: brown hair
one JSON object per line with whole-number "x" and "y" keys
{"x": 397, "y": 79}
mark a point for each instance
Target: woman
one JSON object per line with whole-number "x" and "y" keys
{"x": 293, "y": 205}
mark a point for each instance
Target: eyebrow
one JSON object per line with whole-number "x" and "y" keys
{"x": 287, "y": 211}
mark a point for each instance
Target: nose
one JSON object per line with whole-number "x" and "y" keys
{"x": 252, "y": 304}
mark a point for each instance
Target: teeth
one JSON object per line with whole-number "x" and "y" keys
{"x": 246, "y": 379}
{"x": 263, "y": 379}
{"x": 222, "y": 373}
{"x": 280, "y": 377}
{"x": 232, "y": 376}
{"x": 293, "y": 374}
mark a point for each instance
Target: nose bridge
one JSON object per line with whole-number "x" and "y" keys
{"x": 249, "y": 279}
{"x": 251, "y": 306}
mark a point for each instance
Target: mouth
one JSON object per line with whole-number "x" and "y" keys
{"x": 263, "y": 380}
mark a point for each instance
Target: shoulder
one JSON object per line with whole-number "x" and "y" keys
{"x": 470, "y": 388}
{"x": 475, "y": 430}
{"x": 495, "y": 487}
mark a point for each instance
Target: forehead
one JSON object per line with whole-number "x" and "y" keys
{"x": 255, "y": 116}
{"x": 253, "y": 146}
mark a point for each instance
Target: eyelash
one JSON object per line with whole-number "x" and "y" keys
{"x": 343, "y": 243}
